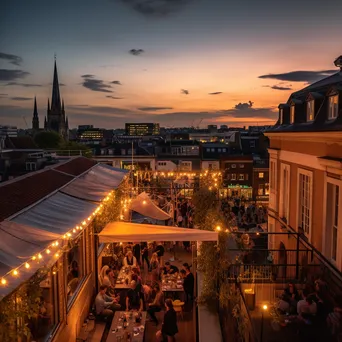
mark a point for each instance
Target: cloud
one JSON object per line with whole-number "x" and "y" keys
{"x": 244, "y": 106}
{"x": 136, "y": 52}
{"x": 116, "y": 82}
{"x": 11, "y": 75}
{"x": 185, "y": 92}
{"x": 94, "y": 84}
{"x": 154, "y": 109}
{"x": 13, "y": 59}
{"x": 279, "y": 87}
{"x": 27, "y": 85}
{"x": 300, "y": 76}
{"x": 114, "y": 97}
{"x": 156, "y": 8}
{"x": 216, "y": 93}
{"x": 18, "y": 98}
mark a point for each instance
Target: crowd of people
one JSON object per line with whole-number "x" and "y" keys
{"x": 147, "y": 266}
{"x": 314, "y": 307}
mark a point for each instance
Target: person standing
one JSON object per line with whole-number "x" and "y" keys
{"x": 137, "y": 252}
{"x": 144, "y": 254}
{"x": 169, "y": 328}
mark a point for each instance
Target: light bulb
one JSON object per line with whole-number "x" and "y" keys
{"x": 264, "y": 307}
{"x": 144, "y": 202}
{"x": 56, "y": 243}
{"x": 84, "y": 223}
{"x": 68, "y": 234}
{"x": 218, "y": 228}
{"x": 3, "y": 281}
{"x": 74, "y": 231}
{"x": 48, "y": 251}
{"x": 27, "y": 265}
{"x": 57, "y": 255}
{"x": 34, "y": 258}
{"x": 39, "y": 256}
{"x": 15, "y": 272}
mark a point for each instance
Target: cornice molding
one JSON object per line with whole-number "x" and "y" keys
{"x": 326, "y": 137}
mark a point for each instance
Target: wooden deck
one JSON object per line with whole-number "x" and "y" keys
{"x": 186, "y": 326}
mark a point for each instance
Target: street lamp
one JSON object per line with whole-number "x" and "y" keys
{"x": 264, "y": 308}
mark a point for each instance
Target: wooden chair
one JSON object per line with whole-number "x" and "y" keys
{"x": 178, "y": 307}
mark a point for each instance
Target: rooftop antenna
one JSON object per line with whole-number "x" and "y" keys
{"x": 338, "y": 62}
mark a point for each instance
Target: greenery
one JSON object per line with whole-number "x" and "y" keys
{"x": 20, "y": 309}
{"x": 52, "y": 140}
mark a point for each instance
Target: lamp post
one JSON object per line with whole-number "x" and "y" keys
{"x": 264, "y": 308}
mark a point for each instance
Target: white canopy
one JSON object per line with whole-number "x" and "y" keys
{"x": 127, "y": 231}
{"x": 19, "y": 243}
{"x": 143, "y": 205}
{"x": 58, "y": 213}
{"x": 95, "y": 184}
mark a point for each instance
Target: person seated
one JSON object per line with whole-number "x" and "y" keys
{"x": 107, "y": 280}
{"x": 130, "y": 260}
{"x": 169, "y": 328}
{"x": 134, "y": 298}
{"x": 170, "y": 269}
{"x": 306, "y": 306}
{"x": 104, "y": 304}
{"x": 157, "y": 304}
{"x": 291, "y": 296}
{"x": 138, "y": 280}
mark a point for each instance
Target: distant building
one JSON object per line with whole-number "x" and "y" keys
{"x": 142, "y": 129}
{"x": 35, "y": 119}
{"x": 90, "y": 135}
{"x": 56, "y": 120}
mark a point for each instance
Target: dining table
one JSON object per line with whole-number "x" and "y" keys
{"x": 127, "y": 326}
{"x": 124, "y": 278}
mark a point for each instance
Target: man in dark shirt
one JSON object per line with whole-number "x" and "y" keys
{"x": 170, "y": 269}
{"x": 160, "y": 250}
{"x": 134, "y": 299}
{"x": 136, "y": 252}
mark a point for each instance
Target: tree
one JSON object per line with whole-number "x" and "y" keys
{"x": 47, "y": 140}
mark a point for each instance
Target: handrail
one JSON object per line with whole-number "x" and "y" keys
{"x": 322, "y": 258}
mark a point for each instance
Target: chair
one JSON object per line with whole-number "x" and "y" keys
{"x": 178, "y": 307}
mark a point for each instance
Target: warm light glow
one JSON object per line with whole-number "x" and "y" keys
{"x": 264, "y": 307}
{"x": 53, "y": 272}
{"x": 68, "y": 234}
{"x": 57, "y": 255}
{"x": 48, "y": 251}
{"x": 64, "y": 236}
{"x": 27, "y": 265}
{"x": 3, "y": 281}
{"x": 39, "y": 256}
{"x": 15, "y": 272}
{"x": 144, "y": 202}
{"x": 227, "y": 230}
{"x": 74, "y": 231}
{"x": 218, "y": 228}
{"x": 84, "y": 223}
{"x": 34, "y": 258}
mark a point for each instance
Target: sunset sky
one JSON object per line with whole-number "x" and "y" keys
{"x": 167, "y": 61}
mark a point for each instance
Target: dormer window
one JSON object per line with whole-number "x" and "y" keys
{"x": 310, "y": 110}
{"x": 281, "y": 115}
{"x": 333, "y": 107}
{"x": 292, "y": 114}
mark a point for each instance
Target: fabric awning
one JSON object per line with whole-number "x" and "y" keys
{"x": 127, "y": 231}
{"x": 58, "y": 213}
{"x": 143, "y": 205}
{"x": 18, "y": 244}
{"x": 95, "y": 184}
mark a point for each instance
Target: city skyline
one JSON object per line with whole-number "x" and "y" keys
{"x": 168, "y": 62}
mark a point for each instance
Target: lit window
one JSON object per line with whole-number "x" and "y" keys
{"x": 292, "y": 114}
{"x": 305, "y": 201}
{"x": 310, "y": 110}
{"x": 335, "y": 221}
{"x": 233, "y": 166}
{"x": 233, "y": 176}
{"x": 241, "y": 177}
{"x": 261, "y": 190}
{"x": 261, "y": 175}
{"x": 333, "y": 107}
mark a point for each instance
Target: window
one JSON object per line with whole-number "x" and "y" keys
{"x": 246, "y": 176}
{"x": 219, "y": 150}
{"x": 233, "y": 176}
{"x": 310, "y": 110}
{"x": 224, "y": 150}
{"x": 273, "y": 175}
{"x": 332, "y": 218}
{"x": 241, "y": 177}
{"x": 333, "y": 107}
{"x": 292, "y": 114}
{"x": 281, "y": 114}
{"x": 233, "y": 166}
{"x": 285, "y": 191}
{"x": 252, "y": 143}
{"x": 208, "y": 149}
{"x": 212, "y": 150}
{"x": 241, "y": 166}
{"x": 31, "y": 166}
{"x": 261, "y": 175}
{"x": 336, "y": 201}
{"x": 261, "y": 190}
{"x": 267, "y": 188}
{"x": 305, "y": 201}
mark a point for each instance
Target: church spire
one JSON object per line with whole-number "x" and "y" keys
{"x": 35, "y": 119}
{"x": 56, "y": 99}
{"x": 48, "y": 104}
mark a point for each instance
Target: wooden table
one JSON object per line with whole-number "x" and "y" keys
{"x": 172, "y": 283}
{"x": 115, "y": 332}
{"x": 125, "y": 273}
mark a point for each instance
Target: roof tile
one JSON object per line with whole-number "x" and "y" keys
{"x": 76, "y": 166}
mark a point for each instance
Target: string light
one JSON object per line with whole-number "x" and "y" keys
{"x": 218, "y": 228}
{"x": 40, "y": 256}
{"x": 48, "y": 251}
{"x": 15, "y": 273}
{"x": 34, "y": 258}
{"x": 3, "y": 281}
{"x": 27, "y": 265}
{"x": 56, "y": 255}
